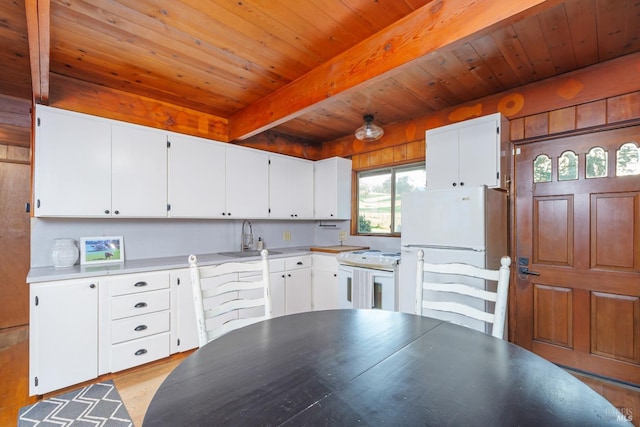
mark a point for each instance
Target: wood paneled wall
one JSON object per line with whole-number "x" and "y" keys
{"x": 591, "y": 97}
{"x": 602, "y": 95}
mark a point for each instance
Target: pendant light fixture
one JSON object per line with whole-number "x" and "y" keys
{"x": 369, "y": 131}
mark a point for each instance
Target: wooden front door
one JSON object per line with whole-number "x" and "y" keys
{"x": 577, "y": 231}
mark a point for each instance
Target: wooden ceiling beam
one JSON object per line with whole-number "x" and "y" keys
{"x": 39, "y": 32}
{"x": 438, "y": 24}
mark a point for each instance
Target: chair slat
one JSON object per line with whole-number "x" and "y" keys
{"x": 462, "y": 289}
{"x": 233, "y": 305}
{"x": 454, "y": 307}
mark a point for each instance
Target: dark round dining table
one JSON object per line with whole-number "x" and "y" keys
{"x": 371, "y": 368}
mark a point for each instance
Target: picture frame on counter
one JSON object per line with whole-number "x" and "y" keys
{"x": 101, "y": 250}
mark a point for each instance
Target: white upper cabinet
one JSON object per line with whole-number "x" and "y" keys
{"x": 72, "y": 174}
{"x": 196, "y": 178}
{"x": 138, "y": 172}
{"x": 290, "y": 188}
{"x": 247, "y": 189}
{"x": 90, "y": 167}
{"x": 470, "y": 153}
{"x": 332, "y": 188}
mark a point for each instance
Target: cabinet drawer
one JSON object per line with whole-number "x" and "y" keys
{"x": 295, "y": 263}
{"x": 138, "y": 352}
{"x": 139, "y": 326}
{"x": 129, "y": 284}
{"x": 141, "y": 303}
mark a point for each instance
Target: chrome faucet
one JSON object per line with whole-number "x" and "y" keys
{"x": 246, "y": 239}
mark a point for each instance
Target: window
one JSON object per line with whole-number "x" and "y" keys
{"x": 380, "y": 197}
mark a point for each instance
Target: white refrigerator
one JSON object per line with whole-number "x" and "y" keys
{"x": 465, "y": 224}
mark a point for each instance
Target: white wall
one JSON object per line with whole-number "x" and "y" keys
{"x": 145, "y": 238}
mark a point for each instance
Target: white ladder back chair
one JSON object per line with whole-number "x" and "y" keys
{"x": 446, "y": 285}
{"x": 228, "y": 296}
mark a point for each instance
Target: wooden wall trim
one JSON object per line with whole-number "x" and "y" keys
{"x": 89, "y": 98}
{"x": 14, "y": 154}
{"x": 589, "y": 91}
{"x": 603, "y": 113}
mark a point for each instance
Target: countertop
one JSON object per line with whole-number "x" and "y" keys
{"x": 45, "y": 274}
{"x": 337, "y": 248}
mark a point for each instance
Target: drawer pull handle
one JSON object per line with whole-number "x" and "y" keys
{"x": 299, "y": 263}
{"x": 140, "y": 284}
{"x": 140, "y": 305}
{"x": 140, "y": 328}
{"x": 141, "y": 352}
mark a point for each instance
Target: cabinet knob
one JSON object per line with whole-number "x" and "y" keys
{"x": 455, "y": 184}
{"x": 141, "y": 352}
{"x": 140, "y": 305}
{"x": 140, "y": 328}
{"x": 116, "y": 212}
{"x": 140, "y": 284}
{"x": 462, "y": 184}
{"x": 92, "y": 286}
{"x": 106, "y": 211}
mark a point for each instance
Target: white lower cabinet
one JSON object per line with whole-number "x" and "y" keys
{"x": 324, "y": 282}
{"x": 63, "y": 334}
{"x": 297, "y": 284}
{"x": 184, "y": 329}
{"x": 83, "y": 328}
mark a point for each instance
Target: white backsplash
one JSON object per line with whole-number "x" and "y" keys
{"x": 147, "y": 238}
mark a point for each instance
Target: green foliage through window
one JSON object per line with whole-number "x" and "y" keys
{"x": 380, "y": 197}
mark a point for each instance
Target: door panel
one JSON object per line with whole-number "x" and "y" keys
{"x": 15, "y": 181}
{"x": 614, "y": 229}
{"x": 581, "y": 235}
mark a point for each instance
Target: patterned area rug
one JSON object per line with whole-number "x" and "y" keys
{"x": 95, "y": 405}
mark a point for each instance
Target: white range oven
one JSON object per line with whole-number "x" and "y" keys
{"x": 368, "y": 279}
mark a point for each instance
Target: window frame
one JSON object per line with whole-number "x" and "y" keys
{"x": 393, "y": 170}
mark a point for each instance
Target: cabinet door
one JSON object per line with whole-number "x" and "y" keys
{"x": 298, "y": 290}
{"x": 280, "y": 187}
{"x": 276, "y": 286}
{"x": 63, "y": 340}
{"x": 72, "y": 164}
{"x": 325, "y": 289}
{"x": 247, "y": 181}
{"x": 184, "y": 330}
{"x": 302, "y": 189}
{"x": 332, "y": 188}
{"x": 442, "y": 159}
{"x": 196, "y": 178}
{"x": 139, "y": 172}
{"x": 325, "y": 184}
{"x": 479, "y": 150}
{"x": 290, "y": 188}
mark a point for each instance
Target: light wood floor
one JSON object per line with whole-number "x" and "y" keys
{"x": 138, "y": 385}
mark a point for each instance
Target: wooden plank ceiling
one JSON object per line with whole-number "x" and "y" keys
{"x": 312, "y": 68}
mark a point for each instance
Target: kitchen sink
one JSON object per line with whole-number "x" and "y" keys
{"x": 239, "y": 254}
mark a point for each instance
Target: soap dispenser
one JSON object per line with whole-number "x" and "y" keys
{"x": 260, "y": 244}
